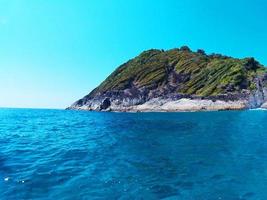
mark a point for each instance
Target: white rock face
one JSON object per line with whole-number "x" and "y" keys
{"x": 167, "y": 105}
{"x": 264, "y": 105}
{"x": 183, "y": 105}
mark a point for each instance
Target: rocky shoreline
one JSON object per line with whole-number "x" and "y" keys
{"x": 193, "y": 104}
{"x": 139, "y": 100}
{"x": 164, "y": 105}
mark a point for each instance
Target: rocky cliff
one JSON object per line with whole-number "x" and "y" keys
{"x": 180, "y": 80}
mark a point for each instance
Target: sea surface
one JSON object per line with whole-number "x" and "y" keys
{"x": 59, "y": 154}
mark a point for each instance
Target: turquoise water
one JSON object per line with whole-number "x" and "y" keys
{"x": 57, "y": 154}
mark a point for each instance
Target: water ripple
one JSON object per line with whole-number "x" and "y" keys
{"x": 56, "y": 154}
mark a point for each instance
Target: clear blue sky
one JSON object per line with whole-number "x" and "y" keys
{"x": 53, "y": 52}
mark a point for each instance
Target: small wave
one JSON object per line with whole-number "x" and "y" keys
{"x": 6, "y": 179}
{"x": 255, "y": 109}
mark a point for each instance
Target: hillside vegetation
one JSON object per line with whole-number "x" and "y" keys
{"x": 193, "y": 73}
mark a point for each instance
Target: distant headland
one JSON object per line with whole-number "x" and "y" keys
{"x": 180, "y": 80}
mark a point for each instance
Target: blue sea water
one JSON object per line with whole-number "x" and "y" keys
{"x": 58, "y": 154}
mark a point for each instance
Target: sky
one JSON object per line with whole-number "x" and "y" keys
{"x": 53, "y": 52}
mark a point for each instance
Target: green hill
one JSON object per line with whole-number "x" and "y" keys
{"x": 181, "y": 72}
{"x": 195, "y": 73}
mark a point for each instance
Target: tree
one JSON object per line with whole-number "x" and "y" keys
{"x": 201, "y": 51}
{"x": 251, "y": 64}
{"x": 185, "y": 48}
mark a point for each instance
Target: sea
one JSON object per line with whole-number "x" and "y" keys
{"x": 69, "y": 155}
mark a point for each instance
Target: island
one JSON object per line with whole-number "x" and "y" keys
{"x": 179, "y": 80}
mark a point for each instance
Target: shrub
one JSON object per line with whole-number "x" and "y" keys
{"x": 201, "y": 51}
{"x": 251, "y": 64}
{"x": 185, "y": 48}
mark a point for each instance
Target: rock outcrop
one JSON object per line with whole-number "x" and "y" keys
{"x": 180, "y": 80}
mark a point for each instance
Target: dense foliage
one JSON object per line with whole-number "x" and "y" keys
{"x": 193, "y": 73}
